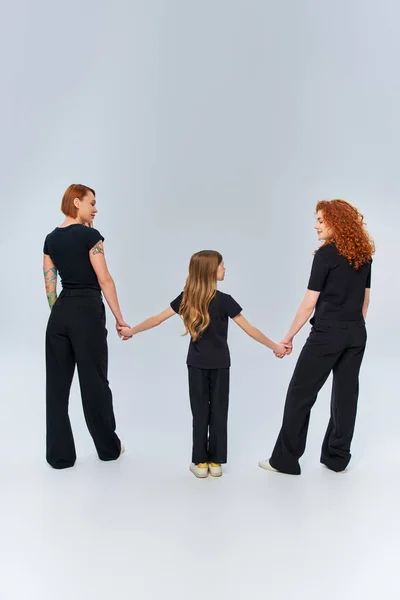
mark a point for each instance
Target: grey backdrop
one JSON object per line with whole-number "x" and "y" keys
{"x": 216, "y": 124}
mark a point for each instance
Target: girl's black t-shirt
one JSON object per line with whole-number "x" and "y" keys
{"x": 342, "y": 287}
{"x": 69, "y": 247}
{"x": 211, "y": 350}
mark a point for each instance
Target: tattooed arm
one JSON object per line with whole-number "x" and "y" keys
{"x": 106, "y": 282}
{"x": 50, "y": 279}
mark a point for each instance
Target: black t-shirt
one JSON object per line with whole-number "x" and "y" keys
{"x": 342, "y": 287}
{"x": 69, "y": 247}
{"x": 211, "y": 350}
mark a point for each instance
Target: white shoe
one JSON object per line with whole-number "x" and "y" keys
{"x": 122, "y": 449}
{"x": 265, "y": 464}
{"x": 200, "y": 472}
{"x": 215, "y": 471}
{"x": 338, "y": 472}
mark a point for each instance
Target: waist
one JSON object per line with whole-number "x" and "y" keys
{"x": 79, "y": 292}
{"x": 338, "y": 323}
{"x": 338, "y": 313}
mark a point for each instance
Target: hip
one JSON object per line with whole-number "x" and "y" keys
{"x": 84, "y": 308}
{"x": 204, "y": 354}
{"x": 338, "y": 335}
{"x": 199, "y": 361}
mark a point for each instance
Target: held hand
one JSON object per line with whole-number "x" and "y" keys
{"x": 125, "y": 332}
{"x": 120, "y": 323}
{"x": 288, "y": 343}
{"x": 280, "y": 350}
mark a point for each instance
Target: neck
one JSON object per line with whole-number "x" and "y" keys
{"x": 71, "y": 221}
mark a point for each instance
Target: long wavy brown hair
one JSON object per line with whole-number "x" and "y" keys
{"x": 349, "y": 232}
{"x": 200, "y": 289}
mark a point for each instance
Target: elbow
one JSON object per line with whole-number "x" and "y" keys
{"x": 105, "y": 280}
{"x": 308, "y": 308}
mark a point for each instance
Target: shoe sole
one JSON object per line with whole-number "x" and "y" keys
{"x": 215, "y": 474}
{"x": 199, "y": 476}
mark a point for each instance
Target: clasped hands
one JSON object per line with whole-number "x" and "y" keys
{"x": 285, "y": 347}
{"x": 121, "y": 326}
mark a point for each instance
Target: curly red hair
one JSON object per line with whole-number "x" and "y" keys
{"x": 349, "y": 233}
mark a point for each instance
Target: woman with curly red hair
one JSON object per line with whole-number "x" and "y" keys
{"x": 339, "y": 292}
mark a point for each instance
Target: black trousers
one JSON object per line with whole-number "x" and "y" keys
{"x": 331, "y": 346}
{"x": 76, "y": 334}
{"x": 209, "y": 401}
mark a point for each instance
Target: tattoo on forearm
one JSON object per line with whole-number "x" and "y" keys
{"x": 98, "y": 248}
{"x": 50, "y": 278}
{"x": 51, "y": 298}
{"x": 50, "y": 275}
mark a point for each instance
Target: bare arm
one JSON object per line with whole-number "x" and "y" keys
{"x": 257, "y": 335}
{"x": 304, "y": 312}
{"x": 50, "y": 279}
{"x": 105, "y": 280}
{"x": 149, "y": 323}
{"x": 365, "y": 307}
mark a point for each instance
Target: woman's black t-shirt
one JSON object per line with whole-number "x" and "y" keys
{"x": 342, "y": 287}
{"x": 69, "y": 247}
{"x": 211, "y": 350}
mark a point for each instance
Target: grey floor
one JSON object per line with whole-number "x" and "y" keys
{"x": 144, "y": 527}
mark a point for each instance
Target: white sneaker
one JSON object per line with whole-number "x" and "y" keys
{"x": 265, "y": 464}
{"x": 338, "y": 472}
{"x": 199, "y": 471}
{"x": 215, "y": 471}
{"x": 122, "y": 449}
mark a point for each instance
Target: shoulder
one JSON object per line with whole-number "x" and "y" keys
{"x": 221, "y": 297}
{"x": 327, "y": 253}
{"x": 92, "y": 236}
{"x": 91, "y": 231}
{"x": 50, "y": 235}
{"x": 48, "y": 240}
{"x": 225, "y": 299}
{"x": 327, "y": 250}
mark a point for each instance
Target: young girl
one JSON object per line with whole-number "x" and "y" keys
{"x": 205, "y": 312}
